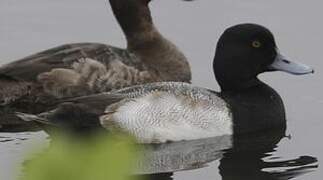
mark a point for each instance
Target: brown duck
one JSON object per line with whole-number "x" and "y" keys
{"x": 36, "y": 83}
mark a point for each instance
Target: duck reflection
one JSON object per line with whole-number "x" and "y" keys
{"x": 182, "y": 155}
{"x": 240, "y": 158}
{"x": 246, "y": 160}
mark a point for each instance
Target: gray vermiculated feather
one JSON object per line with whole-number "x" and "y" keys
{"x": 168, "y": 111}
{"x": 177, "y": 88}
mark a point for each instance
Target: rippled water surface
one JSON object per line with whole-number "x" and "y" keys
{"x": 30, "y": 26}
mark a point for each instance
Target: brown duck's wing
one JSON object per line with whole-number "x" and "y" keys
{"x": 75, "y": 70}
{"x": 28, "y": 68}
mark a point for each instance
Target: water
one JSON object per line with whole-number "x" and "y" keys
{"x": 251, "y": 157}
{"x": 30, "y": 26}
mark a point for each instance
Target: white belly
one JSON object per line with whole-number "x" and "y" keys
{"x": 161, "y": 116}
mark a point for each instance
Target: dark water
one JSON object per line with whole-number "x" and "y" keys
{"x": 29, "y": 26}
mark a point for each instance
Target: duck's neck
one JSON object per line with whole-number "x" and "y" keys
{"x": 255, "y": 107}
{"x": 237, "y": 84}
{"x": 144, "y": 40}
{"x": 135, "y": 20}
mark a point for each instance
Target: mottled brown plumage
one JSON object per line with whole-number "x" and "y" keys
{"x": 36, "y": 83}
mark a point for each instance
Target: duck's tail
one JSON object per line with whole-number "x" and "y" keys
{"x": 33, "y": 118}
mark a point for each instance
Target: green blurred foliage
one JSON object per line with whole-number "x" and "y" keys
{"x": 100, "y": 158}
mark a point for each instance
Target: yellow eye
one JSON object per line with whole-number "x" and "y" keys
{"x": 256, "y": 44}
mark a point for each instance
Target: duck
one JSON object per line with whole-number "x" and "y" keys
{"x": 175, "y": 111}
{"x": 36, "y": 83}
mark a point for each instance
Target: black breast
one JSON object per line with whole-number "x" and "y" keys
{"x": 255, "y": 109}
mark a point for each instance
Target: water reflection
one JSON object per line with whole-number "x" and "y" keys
{"x": 246, "y": 160}
{"x": 14, "y": 147}
{"x": 249, "y": 157}
{"x": 180, "y": 156}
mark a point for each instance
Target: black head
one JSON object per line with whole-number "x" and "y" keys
{"x": 243, "y": 52}
{"x": 246, "y": 50}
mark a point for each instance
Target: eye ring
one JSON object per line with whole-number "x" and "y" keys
{"x": 256, "y": 44}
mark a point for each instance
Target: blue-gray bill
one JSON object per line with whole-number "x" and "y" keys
{"x": 282, "y": 64}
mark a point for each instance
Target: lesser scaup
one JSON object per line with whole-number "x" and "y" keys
{"x": 33, "y": 84}
{"x": 173, "y": 111}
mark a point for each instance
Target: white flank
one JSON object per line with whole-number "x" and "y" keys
{"x": 161, "y": 116}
